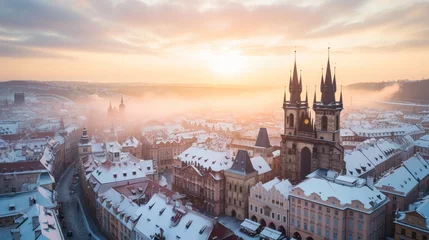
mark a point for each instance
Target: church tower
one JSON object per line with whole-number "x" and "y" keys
{"x": 122, "y": 105}
{"x": 309, "y": 144}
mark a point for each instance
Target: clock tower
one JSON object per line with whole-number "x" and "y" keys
{"x": 308, "y": 142}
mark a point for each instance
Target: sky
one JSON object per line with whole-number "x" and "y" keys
{"x": 247, "y": 42}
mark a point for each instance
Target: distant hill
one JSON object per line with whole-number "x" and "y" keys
{"x": 408, "y": 90}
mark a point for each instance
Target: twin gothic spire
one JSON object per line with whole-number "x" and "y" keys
{"x": 328, "y": 87}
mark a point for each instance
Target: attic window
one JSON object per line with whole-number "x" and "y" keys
{"x": 186, "y": 154}
{"x": 205, "y": 160}
{"x": 199, "y": 158}
{"x": 188, "y": 224}
{"x": 115, "y": 175}
{"x": 125, "y": 174}
{"x": 148, "y": 168}
{"x": 151, "y": 206}
{"x": 379, "y": 196}
{"x": 11, "y": 207}
{"x": 203, "y": 229}
{"x": 351, "y": 173}
{"x": 213, "y": 162}
{"x": 193, "y": 156}
{"x": 161, "y": 211}
{"x": 134, "y": 172}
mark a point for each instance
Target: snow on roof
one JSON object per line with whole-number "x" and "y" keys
{"x": 125, "y": 169}
{"x": 421, "y": 207}
{"x": 47, "y": 159}
{"x": 417, "y": 166}
{"x": 269, "y": 233}
{"x": 344, "y": 193}
{"x": 368, "y": 155}
{"x": 398, "y": 182}
{"x": 216, "y": 160}
{"x": 131, "y": 142}
{"x": 260, "y": 165}
{"x": 9, "y": 128}
{"x": 356, "y": 163}
{"x": 21, "y": 201}
{"x": 421, "y": 143}
{"x": 250, "y": 225}
{"x": 37, "y": 218}
{"x": 276, "y": 153}
{"x": 346, "y": 133}
{"x": 121, "y": 207}
{"x": 97, "y": 148}
{"x": 176, "y": 220}
{"x": 268, "y": 185}
{"x": 425, "y": 138}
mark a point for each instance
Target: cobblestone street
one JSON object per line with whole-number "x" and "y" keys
{"x": 74, "y": 216}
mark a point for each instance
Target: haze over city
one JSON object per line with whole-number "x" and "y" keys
{"x": 214, "y": 120}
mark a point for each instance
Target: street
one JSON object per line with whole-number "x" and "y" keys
{"x": 74, "y": 216}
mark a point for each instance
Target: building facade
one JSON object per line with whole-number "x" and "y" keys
{"x": 269, "y": 204}
{"x": 239, "y": 179}
{"x": 308, "y": 145}
{"x": 337, "y": 207}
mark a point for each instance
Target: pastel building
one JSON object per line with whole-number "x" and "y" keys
{"x": 269, "y": 205}
{"x": 328, "y": 206}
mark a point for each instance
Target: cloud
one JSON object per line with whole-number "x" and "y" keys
{"x": 137, "y": 27}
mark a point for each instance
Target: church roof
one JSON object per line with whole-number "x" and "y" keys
{"x": 263, "y": 140}
{"x": 242, "y": 164}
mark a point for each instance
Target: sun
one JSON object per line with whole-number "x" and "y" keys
{"x": 228, "y": 63}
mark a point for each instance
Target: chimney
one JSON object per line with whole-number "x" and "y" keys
{"x": 16, "y": 234}
{"x": 370, "y": 182}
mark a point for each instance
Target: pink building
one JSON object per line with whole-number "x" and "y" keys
{"x": 269, "y": 205}
{"x": 328, "y": 206}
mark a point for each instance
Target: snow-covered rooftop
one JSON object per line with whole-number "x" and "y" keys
{"x": 216, "y": 160}
{"x": 417, "y": 166}
{"x": 260, "y": 165}
{"x": 177, "y": 221}
{"x": 399, "y": 182}
{"x": 370, "y": 198}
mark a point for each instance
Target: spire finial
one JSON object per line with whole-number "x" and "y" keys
{"x": 295, "y": 53}
{"x": 315, "y": 90}
{"x": 306, "y": 94}
{"x": 329, "y": 48}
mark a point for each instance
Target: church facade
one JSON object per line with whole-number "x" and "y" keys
{"x": 311, "y": 142}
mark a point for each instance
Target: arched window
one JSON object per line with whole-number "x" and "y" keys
{"x": 337, "y": 122}
{"x": 324, "y": 123}
{"x": 291, "y": 119}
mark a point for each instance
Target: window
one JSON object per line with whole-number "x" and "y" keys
{"x": 360, "y": 225}
{"x": 292, "y": 209}
{"x": 278, "y": 217}
{"x": 284, "y": 219}
{"x": 335, "y": 236}
{"x": 403, "y": 231}
{"x": 256, "y": 209}
{"x": 319, "y": 231}
{"x": 413, "y": 235}
{"x": 320, "y": 208}
{"x": 305, "y": 213}
{"x": 305, "y": 226}
{"x": 319, "y": 217}
{"x": 272, "y": 215}
{"x": 306, "y": 203}
{"x": 298, "y": 212}
{"x": 241, "y": 189}
{"x": 351, "y": 213}
{"x": 312, "y": 205}
{"x": 292, "y": 221}
{"x": 312, "y": 228}
{"x": 298, "y": 223}
{"x": 299, "y": 201}
{"x": 260, "y": 210}
{"x": 324, "y": 123}
{"x": 291, "y": 119}
{"x": 335, "y": 222}
{"x": 328, "y": 220}
{"x": 251, "y": 207}
{"x": 350, "y": 223}
{"x": 327, "y": 233}
{"x": 328, "y": 209}
{"x": 336, "y": 212}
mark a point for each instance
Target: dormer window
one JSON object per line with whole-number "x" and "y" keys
{"x": 134, "y": 173}
{"x": 115, "y": 175}
{"x": 125, "y": 174}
